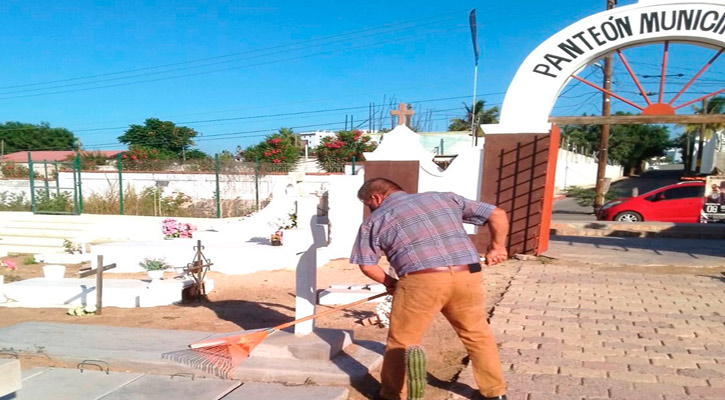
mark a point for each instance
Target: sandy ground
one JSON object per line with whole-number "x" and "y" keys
{"x": 261, "y": 300}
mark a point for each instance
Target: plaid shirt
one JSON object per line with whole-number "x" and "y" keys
{"x": 419, "y": 231}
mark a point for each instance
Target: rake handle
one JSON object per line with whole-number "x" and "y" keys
{"x": 329, "y": 311}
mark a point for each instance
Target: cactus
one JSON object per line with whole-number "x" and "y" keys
{"x": 415, "y": 368}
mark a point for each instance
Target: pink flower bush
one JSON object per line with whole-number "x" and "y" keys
{"x": 171, "y": 228}
{"x": 9, "y": 264}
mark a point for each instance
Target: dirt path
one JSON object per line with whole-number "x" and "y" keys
{"x": 265, "y": 299}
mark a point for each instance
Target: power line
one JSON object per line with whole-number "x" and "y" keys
{"x": 286, "y": 51}
{"x": 233, "y": 54}
{"x": 268, "y": 115}
{"x": 225, "y": 69}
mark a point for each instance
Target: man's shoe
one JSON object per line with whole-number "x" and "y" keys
{"x": 502, "y": 397}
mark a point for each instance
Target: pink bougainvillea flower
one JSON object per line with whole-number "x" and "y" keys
{"x": 10, "y": 264}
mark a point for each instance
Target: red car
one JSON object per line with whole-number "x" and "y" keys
{"x": 681, "y": 202}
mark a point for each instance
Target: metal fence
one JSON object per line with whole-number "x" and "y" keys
{"x": 206, "y": 188}
{"x": 36, "y": 187}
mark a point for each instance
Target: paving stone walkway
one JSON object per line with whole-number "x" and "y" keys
{"x": 597, "y": 333}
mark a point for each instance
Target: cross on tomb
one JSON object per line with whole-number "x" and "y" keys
{"x": 198, "y": 269}
{"x": 403, "y": 114}
{"x": 99, "y": 280}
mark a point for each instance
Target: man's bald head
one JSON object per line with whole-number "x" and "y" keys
{"x": 380, "y": 186}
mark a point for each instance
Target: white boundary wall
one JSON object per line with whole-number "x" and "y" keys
{"x": 573, "y": 169}
{"x": 197, "y": 186}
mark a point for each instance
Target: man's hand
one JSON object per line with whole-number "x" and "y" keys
{"x": 390, "y": 283}
{"x": 376, "y": 273}
{"x": 496, "y": 255}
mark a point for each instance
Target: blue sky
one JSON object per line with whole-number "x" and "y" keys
{"x": 96, "y": 67}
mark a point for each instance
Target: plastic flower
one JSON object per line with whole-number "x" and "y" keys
{"x": 9, "y": 264}
{"x": 276, "y": 237}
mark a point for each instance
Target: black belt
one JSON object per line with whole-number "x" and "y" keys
{"x": 472, "y": 268}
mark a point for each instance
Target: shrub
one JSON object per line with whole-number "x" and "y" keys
{"x": 90, "y": 160}
{"x": 334, "y": 151}
{"x": 53, "y": 202}
{"x": 277, "y": 149}
{"x": 15, "y": 170}
{"x": 14, "y": 202}
{"x": 139, "y": 158}
{"x": 585, "y": 196}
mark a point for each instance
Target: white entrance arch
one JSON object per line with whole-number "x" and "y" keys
{"x": 538, "y": 81}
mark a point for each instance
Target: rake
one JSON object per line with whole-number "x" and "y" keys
{"x": 221, "y": 355}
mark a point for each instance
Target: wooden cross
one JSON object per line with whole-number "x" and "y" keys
{"x": 99, "y": 280}
{"x": 403, "y": 114}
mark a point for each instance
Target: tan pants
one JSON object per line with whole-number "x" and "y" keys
{"x": 460, "y": 297}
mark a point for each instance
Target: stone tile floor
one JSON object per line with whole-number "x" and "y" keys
{"x": 587, "y": 332}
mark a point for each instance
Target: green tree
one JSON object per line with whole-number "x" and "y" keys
{"x": 163, "y": 136}
{"x": 19, "y": 136}
{"x": 334, "y": 151}
{"x": 483, "y": 116}
{"x": 629, "y": 145}
{"x": 277, "y": 148}
{"x": 226, "y": 156}
{"x": 196, "y": 154}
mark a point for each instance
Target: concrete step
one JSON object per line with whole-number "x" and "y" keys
{"x": 49, "y": 232}
{"x": 26, "y": 233}
{"x": 638, "y": 229}
{"x": 32, "y": 241}
{"x": 28, "y": 249}
{"x": 45, "y": 225}
{"x": 49, "y": 218}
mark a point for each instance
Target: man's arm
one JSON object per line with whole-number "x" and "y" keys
{"x": 376, "y": 273}
{"x": 498, "y": 225}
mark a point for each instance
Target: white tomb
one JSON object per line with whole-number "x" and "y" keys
{"x": 124, "y": 293}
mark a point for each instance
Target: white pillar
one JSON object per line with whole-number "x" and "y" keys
{"x": 306, "y": 273}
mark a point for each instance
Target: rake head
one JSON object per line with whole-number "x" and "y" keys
{"x": 219, "y": 356}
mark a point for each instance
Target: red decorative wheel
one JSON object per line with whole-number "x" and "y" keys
{"x": 655, "y": 101}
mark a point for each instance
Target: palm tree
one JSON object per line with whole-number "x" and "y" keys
{"x": 715, "y": 105}
{"x": 483, "y": 116}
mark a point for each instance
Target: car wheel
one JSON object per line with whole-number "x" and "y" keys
{"x": 628, "y": 216}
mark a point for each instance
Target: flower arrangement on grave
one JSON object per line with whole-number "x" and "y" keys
{"x": 276, "y": 238}
{"x": 9, "y": 264}
{"x": 80, "y": 311}
{"x": 282, "y": 223}
{"x": 154, "y": 264}
{"x": 172, "y": 228}
{"x": 71, "y": 247}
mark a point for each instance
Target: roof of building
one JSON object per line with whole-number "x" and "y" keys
{"x": 40, "y": 156}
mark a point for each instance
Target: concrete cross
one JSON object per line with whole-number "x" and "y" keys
{"x": 403, "y": 114}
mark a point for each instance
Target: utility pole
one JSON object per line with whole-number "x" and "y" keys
{"x": 604, "y": 138}
{"x": 701, "y": 141}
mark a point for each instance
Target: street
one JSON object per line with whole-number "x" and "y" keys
{"x": 568, "y": 209}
